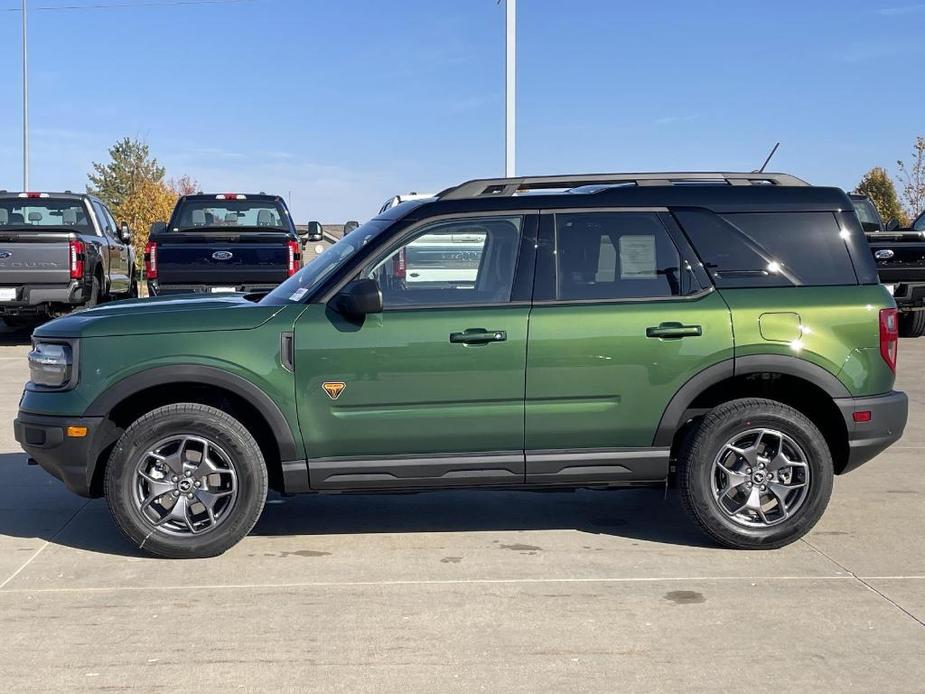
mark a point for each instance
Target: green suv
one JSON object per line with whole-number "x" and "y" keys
{"x": 724, "y": 333}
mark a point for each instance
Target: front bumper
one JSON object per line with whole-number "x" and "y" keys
{"x": 888, "y": 415}
{"x": 72, "y": 460}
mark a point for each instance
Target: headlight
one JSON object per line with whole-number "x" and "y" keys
{"x": 50, "y": 364}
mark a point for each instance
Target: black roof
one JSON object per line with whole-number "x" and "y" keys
{"x": 720, "y": 192}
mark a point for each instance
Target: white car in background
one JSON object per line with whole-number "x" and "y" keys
{"x": 399, "y": 199}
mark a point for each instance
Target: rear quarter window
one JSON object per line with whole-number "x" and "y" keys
{"x": 770, "y": 249}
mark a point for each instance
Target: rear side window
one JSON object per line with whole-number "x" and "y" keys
{"x": 770, "y": 249}
{"x": 616, "y": 255}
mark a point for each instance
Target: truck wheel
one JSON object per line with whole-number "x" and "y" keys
{"x": 186, "y": 481}
{"x": 912, "y": 324}
{"x": 756, "y": 474}
{"x": 94, "y": 298}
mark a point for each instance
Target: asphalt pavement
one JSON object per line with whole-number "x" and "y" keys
{"x": 592, "y": 591}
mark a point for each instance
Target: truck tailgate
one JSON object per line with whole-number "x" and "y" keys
{"x": 900, "y": 257}
{"x": 222, "y": 258}
{"x": 34, "y": 257}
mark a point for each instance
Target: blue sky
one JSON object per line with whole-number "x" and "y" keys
{"x": 347, "y": 102}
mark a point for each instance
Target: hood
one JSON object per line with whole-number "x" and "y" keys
{"x": 158, "y": 315}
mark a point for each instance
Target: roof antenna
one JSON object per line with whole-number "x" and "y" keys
{"x": 761, "y": 170}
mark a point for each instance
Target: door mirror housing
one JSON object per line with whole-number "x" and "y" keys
{"x": 359, "y": 298}
{"x": 892, "y": 225}
{"x": 350, "y": 226}
{"x": 315, "y": 233}
{"x": 125, "y": 233}
{"x": 158, "y": 228}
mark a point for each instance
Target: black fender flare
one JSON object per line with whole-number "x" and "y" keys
{"x": 207, "y": 375}
{"x": 673, "y": 416}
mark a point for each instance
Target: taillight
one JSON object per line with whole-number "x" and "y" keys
{"x": 76, "y": 256}
{"x": 889, "y": 336}
{"x": 151, "y": 260}
{"x": 399, "y": 265}
{"x": 295, "y": 257}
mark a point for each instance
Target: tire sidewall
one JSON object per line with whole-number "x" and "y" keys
{"x": 178, "y": 421}
{"x": 708, "y": 444}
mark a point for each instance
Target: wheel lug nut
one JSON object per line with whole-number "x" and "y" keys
{"x": 763, "y": 487}
{"x": 175, "y": 478}
{"x": 188, "y": 473}
{"x": 197, "y": 484}
{"x": 189, "y": 496}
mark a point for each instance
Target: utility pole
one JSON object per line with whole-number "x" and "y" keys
{"x": 510, "y": 65}
{"x": 25, "y": 102}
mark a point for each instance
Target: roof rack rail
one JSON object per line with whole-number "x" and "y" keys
{"x": 506, "y": 187}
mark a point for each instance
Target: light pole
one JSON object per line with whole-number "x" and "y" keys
{"x": 25, "y": 103}
{"x": 510, "y": 64}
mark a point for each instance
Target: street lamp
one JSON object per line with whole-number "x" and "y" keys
{"x": 509, "y": 87}
{"x": 25, "y": 103}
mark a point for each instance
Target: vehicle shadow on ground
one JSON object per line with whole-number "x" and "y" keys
{"x": 19, "y": 335}
{"x": 34, "y": 505}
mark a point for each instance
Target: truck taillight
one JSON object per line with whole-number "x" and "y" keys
{"x": 76, "y": 257}
{"x": 889, "y": 336}
{"x": 295, "y": 257}
{"x": 399, "y": 265}
{"x": 151, "y": 260}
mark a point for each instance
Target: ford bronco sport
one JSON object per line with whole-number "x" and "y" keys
{"x": 725, "y": 333}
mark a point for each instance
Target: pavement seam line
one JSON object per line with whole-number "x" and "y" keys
{"x": 436, "y": 582}
{"x": 42, "y": 548}
{"x": 864, "y": 582}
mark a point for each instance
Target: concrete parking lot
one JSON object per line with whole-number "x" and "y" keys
{"x": 492, "y": 591}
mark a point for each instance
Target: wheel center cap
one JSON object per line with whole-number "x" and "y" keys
{"x": 184, "y": 485}
{"x": 758, "y": 476}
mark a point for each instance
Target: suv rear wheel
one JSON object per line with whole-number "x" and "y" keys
{"x": 186, "y": 480}
{"x": 756, "y": 474}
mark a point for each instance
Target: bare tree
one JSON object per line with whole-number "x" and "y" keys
{"x": 912, "y": 179}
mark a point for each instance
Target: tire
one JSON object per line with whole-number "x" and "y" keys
{"x": 94, "y": 298}
{"x": 705, "y": 454}
{"x": 912, "y": 324}
{"x": 236, "y": 490}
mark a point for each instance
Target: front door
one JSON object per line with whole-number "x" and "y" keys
{"x": 621, "y": 322}
{"x": 431, "y": 390}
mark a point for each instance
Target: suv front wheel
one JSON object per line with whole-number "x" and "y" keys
{"x": 186, "y": 480}
{"x": 756, "y": 474}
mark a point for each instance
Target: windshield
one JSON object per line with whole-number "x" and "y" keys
{"x": 867, "y": 214}
{"x": 330, "y": 261}
{"x": 44, "y": 214}
{"x": 200, "y": 215}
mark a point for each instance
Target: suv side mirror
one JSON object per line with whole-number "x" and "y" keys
{"x": 359, "y": 298}
{"x": 125, "y": 233}
{"x": 158, "y": 228}
{"x": 315, "y": 232}
{"x": 350, "y": 226}
{"x": 892, "y": 225}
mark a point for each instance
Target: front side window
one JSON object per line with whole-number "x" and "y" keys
{"x": 466, "y": 261}
{"x": 919, "y": 224}
{"x": 616, "y": 255}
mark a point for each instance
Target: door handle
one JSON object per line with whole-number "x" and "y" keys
{"x": 478, "y": 336}
{"x": 674, "y": 330}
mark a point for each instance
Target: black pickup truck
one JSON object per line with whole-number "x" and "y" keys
{"x": 58, "y": 252}
{"x": 225, "y": 242}
{"x": 900, "y": 258}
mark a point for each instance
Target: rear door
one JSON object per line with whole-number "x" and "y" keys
{"x": 621, "y": 320}
{"x": 431, "y": 391}
{"x": 118, "y": 252}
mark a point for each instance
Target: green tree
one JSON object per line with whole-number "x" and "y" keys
{"x": 878, "y": 186}
{"x": 912, "y": 179}
{"x": 130, "y": 165}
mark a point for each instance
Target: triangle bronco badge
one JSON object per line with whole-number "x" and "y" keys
{"x": 333, "y": 388}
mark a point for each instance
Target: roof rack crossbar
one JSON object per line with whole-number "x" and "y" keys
{"x": 506, "y": 187}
